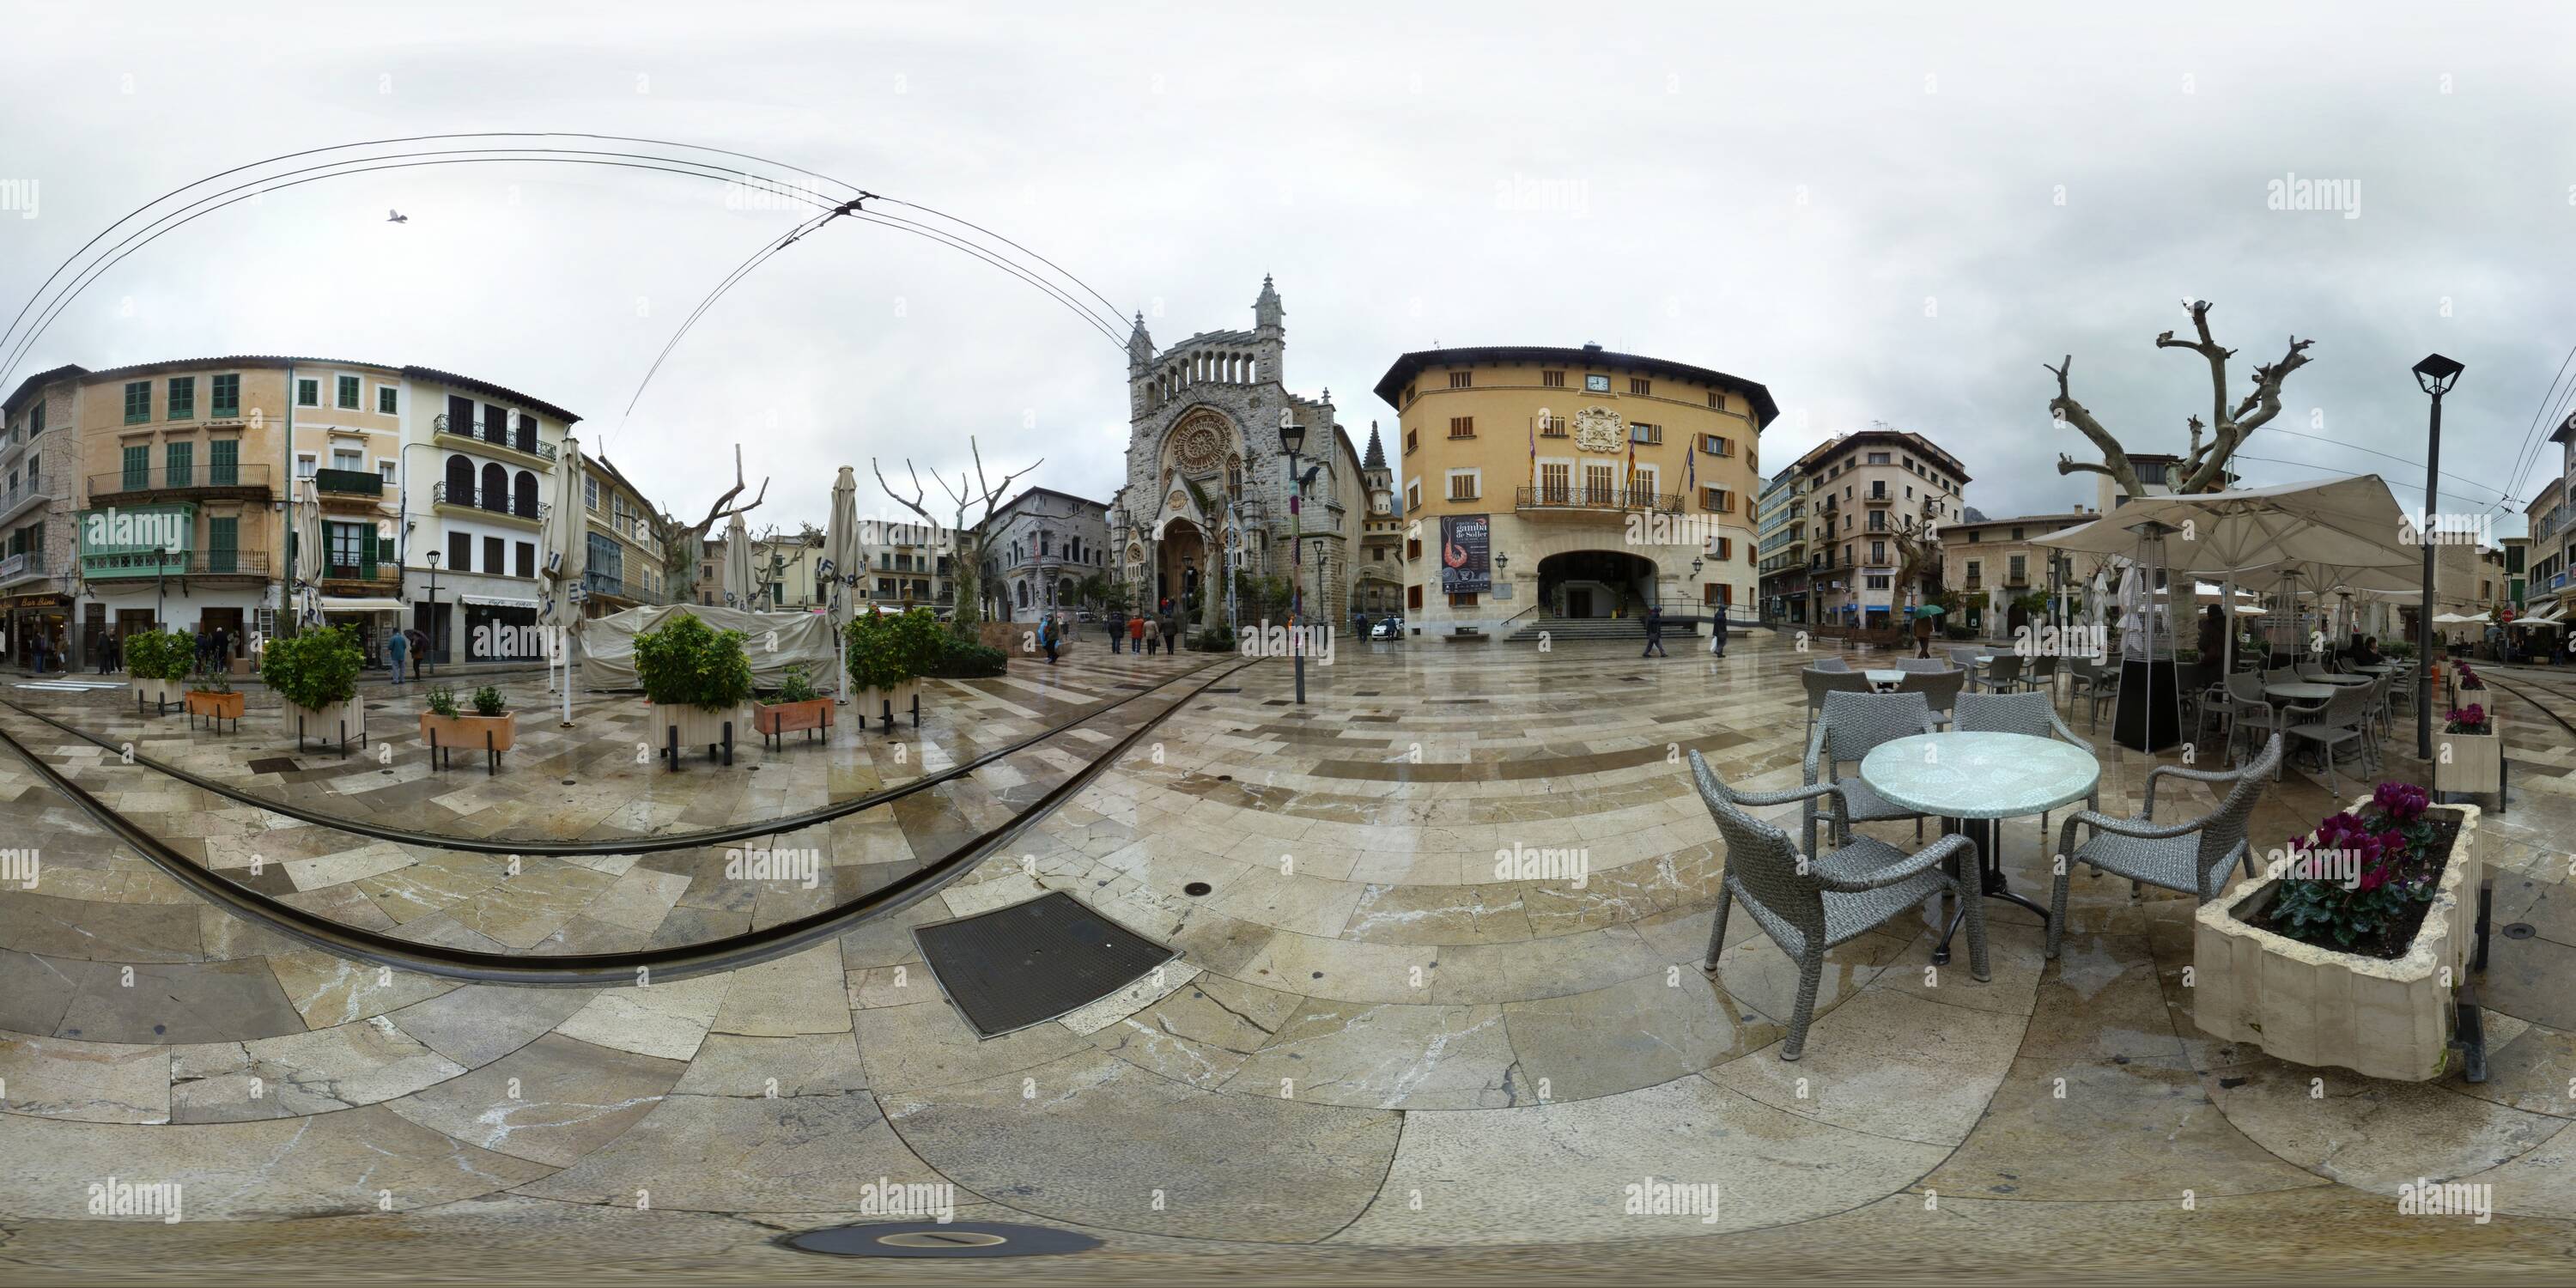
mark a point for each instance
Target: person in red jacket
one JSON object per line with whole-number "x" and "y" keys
{"x": 1136, "y": 633}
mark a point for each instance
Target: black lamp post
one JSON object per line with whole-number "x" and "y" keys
{"x": 429, "y": 649}
{"x": 1292, "y": 439}
{"x": 2434, "y": 375}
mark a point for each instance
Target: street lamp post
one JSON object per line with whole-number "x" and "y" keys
{"x": 2434, "y": 375}
{"x": 1292, "y": 438}
{"x": 1698, "y": 563}
{"x": 429, "y": 646}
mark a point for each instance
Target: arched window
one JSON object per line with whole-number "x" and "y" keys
{"x": 523, "y": 500}
{"x": 1024, "y": 593}
{"x": 496, "y": 489}
{"x": 460, "y": 481}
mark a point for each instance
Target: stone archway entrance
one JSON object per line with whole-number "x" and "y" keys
{"x": 1183, "y": 563}
{"x": 1595, "y": 583}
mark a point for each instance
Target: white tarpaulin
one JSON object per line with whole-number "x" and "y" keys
{"x": 803, "y": 639}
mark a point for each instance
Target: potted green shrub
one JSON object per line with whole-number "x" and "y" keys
{"x": 159, "y": 662}
{"x": 493, "y": 727}
{"x": 316, "y": 673}
{"x": 2352, "y": 947}
{"x": 878, "y": 657}
{"x": 797, "y": 707}
{"x": 697, "y": 678}
{"x": 211, "y": 694}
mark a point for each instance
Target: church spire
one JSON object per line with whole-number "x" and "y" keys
{"x": 1376, "y": 459}
{"x": 1140, "y": 346}
{"x": 1266, "y": 313}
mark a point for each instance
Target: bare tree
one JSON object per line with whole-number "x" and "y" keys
{"x": 966, "y": 541}
{"x": 2213, "y": 442}
{"x": 682, "y": 545}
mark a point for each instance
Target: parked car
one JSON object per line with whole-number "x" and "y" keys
{"x": 1387, "y": 628}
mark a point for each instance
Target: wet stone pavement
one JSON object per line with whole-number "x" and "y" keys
{"x": 1381, "y": 1054}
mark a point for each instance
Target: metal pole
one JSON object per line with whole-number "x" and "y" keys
{"x": 286, "y": 512}
{"x": 2424, "y": 610}
{"x": 1297, "y": 577}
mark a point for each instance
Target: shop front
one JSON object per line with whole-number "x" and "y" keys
{"x": 501, "y": 628}
{"x": 38, "y": 618}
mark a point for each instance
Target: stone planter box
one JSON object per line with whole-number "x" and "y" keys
{"x": 2383, "y": 1018}
{"x": 873, "y": 704}
{"x": 337, "y": 724}
{"x": 156, "y": 693}
{"x": 491, "y": 735}
{"x": 686, "y": 727}
{"x": 777, "y": 719}
{"x": 2469, "y": 762}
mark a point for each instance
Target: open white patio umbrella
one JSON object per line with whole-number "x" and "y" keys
{"x": 737, "y": 564}
{"x": 569, "y": 535}
{"x": 841, "y": 549}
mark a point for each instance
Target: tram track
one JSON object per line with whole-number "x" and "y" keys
{"x": 621, "y": 969}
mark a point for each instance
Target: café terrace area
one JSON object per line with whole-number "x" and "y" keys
{"x": 1378, "y": 1047}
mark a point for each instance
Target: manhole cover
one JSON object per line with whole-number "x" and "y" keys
{"x": 2519, "y": 930}
{"x": 1196, "y": 888}
{"x": 930, "y": 1239}
{"x": 1029, "y": 963}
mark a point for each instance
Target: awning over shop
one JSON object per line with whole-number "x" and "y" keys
{"x": 499, "y": 601}
{"x": 380, "y": 605}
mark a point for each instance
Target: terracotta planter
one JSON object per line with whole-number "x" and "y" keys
{"x": 338, "y": 722}
{"x": 791, "y": 717}
{"x": 2469, "y": 762}
{"x": 469, "y": 731}
{"x": 222, "y": 706}
{"x": 2384, "y": 1018}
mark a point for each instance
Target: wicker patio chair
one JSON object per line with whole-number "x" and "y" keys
{"x": 2191, "y": 857}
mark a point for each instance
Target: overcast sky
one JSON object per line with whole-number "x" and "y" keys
{"x": 1891, "y": 213}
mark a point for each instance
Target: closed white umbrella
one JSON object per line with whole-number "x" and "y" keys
{"x": 569, "y": 534}
{"x": 737, "y": 564}
{"x": 310, "y": 558}
{"x": 841, "y": 548}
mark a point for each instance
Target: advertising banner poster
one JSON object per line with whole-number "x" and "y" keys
{"x": 1466, "y": 554}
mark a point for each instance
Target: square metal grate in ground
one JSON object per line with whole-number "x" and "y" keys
{"x": 1031, "y": 962}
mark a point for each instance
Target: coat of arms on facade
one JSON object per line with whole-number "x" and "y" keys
{"x": 1597, "y": 429}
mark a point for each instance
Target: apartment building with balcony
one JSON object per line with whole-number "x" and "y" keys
{"x": 1992, "y": 562}
{"x": 624, "y": 559}
{"x": 1781, "y": 551}
{"x": 1573, "y": 483}
{"x": 186, "y": 469}
{"x": 909, "y": 563}
{"x": 2545, "y": 523}
{"x": 39, "y": 571}
{"x": 1039, "y": 546}
{"x": 480, "y": 464}
{"x": 1864, "y": 490}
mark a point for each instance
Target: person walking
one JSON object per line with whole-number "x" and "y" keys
{"x": 1047, "y": 636}
{"x": 1655, "y": 632}
{"x": 1117, "y": 627}
{"x": 396, "y": 645}
{"x": 1717, "y": 632}
{"x": 1136, "y": 633}
{"x": 1171, "y": 632}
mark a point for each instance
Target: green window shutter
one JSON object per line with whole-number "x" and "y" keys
{"x": 183, "y": 397}
{"x": 223, "y": 544}
{"x": 348, "y": 392}
{"x": 226, "y": 396}
{"x": 366, "y": 552}
{"x": 138, "y": 468}
{"x": 223, "y": 462}
{"x": 180, "y": 465}
{"x": 138, "y": 401}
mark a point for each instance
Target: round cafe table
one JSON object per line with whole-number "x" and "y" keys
{"x": 1971, "y": 780}
{"x": 1885, "y": 679}
{"x": 2299, "y": 691}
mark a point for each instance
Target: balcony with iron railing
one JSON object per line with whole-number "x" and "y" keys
{"x": 213, "y": 479}
{"x": 14, "y": 567}
{"x": 348, "y": 489}
{"x": 489, "y": 435}
{"x": 359, "y": 578}
{"x": 1581, "y": 498}
{"x": 494, "y": 502}
{"x": 600, "y": 583}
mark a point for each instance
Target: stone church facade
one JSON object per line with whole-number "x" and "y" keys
{"x": 1207, "y": 480}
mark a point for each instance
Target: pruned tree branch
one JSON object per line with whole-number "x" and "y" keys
{"x": 2213, "y": 442}
{"x": 2115, "y": 460}
{"x": 2069, "y": 465}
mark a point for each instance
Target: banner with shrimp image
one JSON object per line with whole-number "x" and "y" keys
{"x": 1466, "y": 554}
